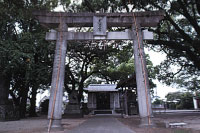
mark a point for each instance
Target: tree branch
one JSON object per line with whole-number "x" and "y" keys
{"x": 198, "y": 5}
{"x": 192, "y": 21}
{"x": 185, "y": 36}
{"x": 89, "y": 6}
{"x": 168, "y": 17}
{"x": 179, "y": 48}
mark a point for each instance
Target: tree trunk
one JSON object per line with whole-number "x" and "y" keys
{"x": 32, "y": 111}
{"x": 80, "y": 89}
{"x": 23, "y": 102}
{"x": 4, "y": 89}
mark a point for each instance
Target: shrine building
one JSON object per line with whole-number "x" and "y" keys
{"x": 103, "y": 98}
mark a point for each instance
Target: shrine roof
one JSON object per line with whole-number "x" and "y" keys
{"x": 101, "y": 87}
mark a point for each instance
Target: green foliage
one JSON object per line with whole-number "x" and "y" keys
{"x": 178, "y": 35}
{"x": 22, "y": 44}
{"x": 158, "y": 101}
{"x": 184, "y": 100}
{"x": 25, "y": 56}
{"x": 87, "y": 61}
{"x": 173, "y": 96}
{"x": 119, "y": 65}
{"x": 100, "y": 5}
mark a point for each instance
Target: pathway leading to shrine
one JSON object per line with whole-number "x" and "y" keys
{"x": 102, "y": 124}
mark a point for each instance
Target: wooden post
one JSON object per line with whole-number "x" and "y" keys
{"x": 56, "y": 92}
{"x": 143, "y": 90}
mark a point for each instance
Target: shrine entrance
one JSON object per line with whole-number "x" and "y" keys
{"x": 103, "y": 100}
{"x": 133, "y": 22}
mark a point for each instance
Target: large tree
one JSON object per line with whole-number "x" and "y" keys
{"x": 91, "y": 59}
{"x": 184, "y": 100}
{"x": 25, "y": 56}
{"x": 178, "y": 35}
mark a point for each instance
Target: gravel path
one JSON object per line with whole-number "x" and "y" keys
{"x": 102, "y": 124}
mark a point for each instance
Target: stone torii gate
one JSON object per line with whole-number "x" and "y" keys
{"x": 60, "y": 21}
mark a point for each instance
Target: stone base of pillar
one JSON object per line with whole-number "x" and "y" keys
{"x": 56, "y": 125}
{"x": 145, "y": 122}
{"x": 9, "y": 113}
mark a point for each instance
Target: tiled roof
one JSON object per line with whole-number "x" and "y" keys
{"x": 101, "y": 87}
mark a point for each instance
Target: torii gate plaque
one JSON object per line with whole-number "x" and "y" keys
{"x": 100, "y": 21}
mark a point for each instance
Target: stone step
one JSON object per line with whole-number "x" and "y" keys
{"x": 102, "y": 111}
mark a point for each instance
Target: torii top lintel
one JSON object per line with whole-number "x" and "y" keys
{"x": 145, "y": 19}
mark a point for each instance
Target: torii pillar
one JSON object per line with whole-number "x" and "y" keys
{"x": 57, "y": 82}
{"x": 143, "y": 88}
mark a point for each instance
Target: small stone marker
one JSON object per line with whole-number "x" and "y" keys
{"x": 176, "y": 125}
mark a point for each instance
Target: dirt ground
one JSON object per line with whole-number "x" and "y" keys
{"x": 192, "y": 119}
{"x": 37, "y": 125}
